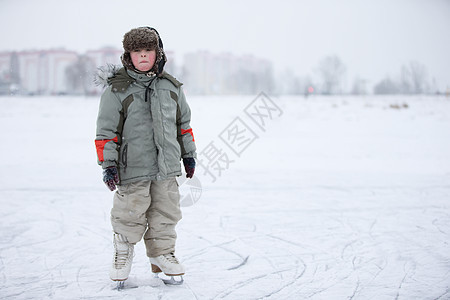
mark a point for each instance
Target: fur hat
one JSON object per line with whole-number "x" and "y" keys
{"x": 143, "y": 38}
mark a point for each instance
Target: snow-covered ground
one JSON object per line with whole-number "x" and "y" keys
{"x": 332, "y": 198}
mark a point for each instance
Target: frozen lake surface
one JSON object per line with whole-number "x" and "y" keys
{"x": 331, "y": 198}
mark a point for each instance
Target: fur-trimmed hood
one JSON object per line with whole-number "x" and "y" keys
{"x": 104, "y": 75}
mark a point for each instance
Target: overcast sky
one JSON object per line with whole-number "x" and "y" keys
{"x": 372, "y": 37}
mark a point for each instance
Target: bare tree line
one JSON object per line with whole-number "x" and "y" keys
{"x": 330, "y": 76}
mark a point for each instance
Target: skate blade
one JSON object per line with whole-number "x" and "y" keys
{"x": 173, "y": 281}
{"x": 169, "y": 280}
{"x": 120, "y": 285}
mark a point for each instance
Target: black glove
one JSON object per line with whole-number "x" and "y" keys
{"x": 111, "y": 177}
{"x": 189, "y": 166}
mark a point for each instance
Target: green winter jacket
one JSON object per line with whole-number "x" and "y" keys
{"x": 143, "y": 126}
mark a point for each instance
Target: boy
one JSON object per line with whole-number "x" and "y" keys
{"x": 143, "y": 131}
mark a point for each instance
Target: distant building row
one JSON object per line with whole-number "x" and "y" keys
{"x": 60, "y": 71}
{"x": 47, "y": 71}
{"x": 225, "y": 73}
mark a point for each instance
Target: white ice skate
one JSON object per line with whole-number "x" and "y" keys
{"x": 170, "y": 266}
{"x": 122, "y": 260}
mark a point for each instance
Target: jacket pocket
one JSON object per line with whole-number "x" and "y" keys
{"x": 124, "y": 158}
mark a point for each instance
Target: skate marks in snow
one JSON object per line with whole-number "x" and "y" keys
{"x": 244, "y": 261}
{"x": 372, "y": 248}
{"x": 25, "y": 233}
{"x": 236, "y": 268}
{"x": 376, "y": 255}
{"x": 296, "y": 227}
{"x": 27, "y": 262}
{"x": 366, "y": 246}
{"x": 42, "y": 257}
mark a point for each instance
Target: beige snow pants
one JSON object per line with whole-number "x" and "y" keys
{"x": 149, "y": 208}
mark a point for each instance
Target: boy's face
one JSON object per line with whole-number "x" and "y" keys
{"x": 144, "y": 59}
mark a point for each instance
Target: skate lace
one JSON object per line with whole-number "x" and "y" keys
{"x": 121, "y": 258}
{"x": 170, "y": 257}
